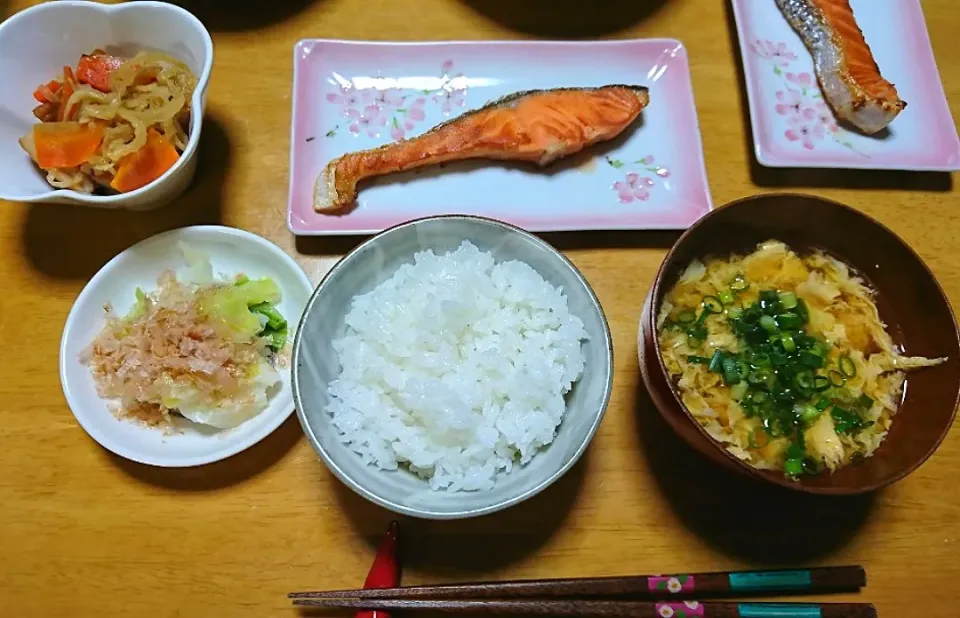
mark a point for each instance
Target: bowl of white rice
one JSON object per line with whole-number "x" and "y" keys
{"x": 451, "y": 367}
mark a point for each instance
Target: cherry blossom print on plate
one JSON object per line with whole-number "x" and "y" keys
{"x": 351, "y": 96}
{"x": 636, "y": 186}
{"x": 374, "y": 110}
{"x": 793, "y": 126}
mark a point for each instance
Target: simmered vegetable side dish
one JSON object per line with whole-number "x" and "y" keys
{"x": 113, "y": 125}
{"x": 783, "y": 358}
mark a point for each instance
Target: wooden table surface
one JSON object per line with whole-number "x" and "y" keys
{"x": 85, "y": 533}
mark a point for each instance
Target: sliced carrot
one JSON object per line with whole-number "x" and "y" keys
{"x": 146, "y": 165}
{"x": 66, "y": 92}
{"x": 65, "y": 144}
{"x": 95, "y": 70}
{"x": 45, "y": 92}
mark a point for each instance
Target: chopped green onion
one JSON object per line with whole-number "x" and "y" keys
{"x": 760, "y": 376}
{"x": 793, "y": 467}
{"x": 768, "y": 324}
{"x": 712, "y": 304}
{"x": 847, "y": 367}
{"x": 738, "y": 391}
{"x": 757, "y": 358}
{"x": 787, "y": 342}
{"x": 845, "y": 421}
{"x": 769, "y": 302}
{"x": 789, "y": 321}
{"x": 726, "y": 297}
{"x": 768, "y": 379}
{"x": 706, "y": 313}
{"x": 771, "y": 427}
{"x": 769, "y": 296}
{"x": 804, "y": 380}
{"x": 809, "y": 359}
{"x": 751, "y": 315}
{"x": 795, "y": 451}
{"x": 808, "y": 414}
{"x": 779, "y": 374}
{"x": 788, "y": 300}
{"x": 731, "y": 372}
{"x": 696, "y": 335}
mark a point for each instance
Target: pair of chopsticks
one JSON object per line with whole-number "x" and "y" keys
{"x": 642, "y": 596}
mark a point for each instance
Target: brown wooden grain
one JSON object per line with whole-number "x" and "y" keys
{"x": 83, "y": 533}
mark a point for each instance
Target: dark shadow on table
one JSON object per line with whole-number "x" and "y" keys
{"x": 446, "y": 550}
{"x": 818, "y": 178}
{"x": 66, "y": 241}
{"x": 218, "y": 16}
{"x": 759, "y": 523}
{"x": 566, "y": 18}
{"x": 231, "y": 471}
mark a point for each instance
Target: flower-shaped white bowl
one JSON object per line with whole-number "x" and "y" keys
{"x": 38, "y": 42}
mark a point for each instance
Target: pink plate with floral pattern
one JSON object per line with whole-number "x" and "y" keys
{"x": 794, "y": 127}
{"x": 351, "y": 95}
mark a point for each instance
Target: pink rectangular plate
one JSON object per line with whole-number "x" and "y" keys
{"x": 794, "y": 127}
{"x": 356, "y": 95}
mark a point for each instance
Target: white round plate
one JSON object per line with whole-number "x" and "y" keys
{"x": 231, "y": 251}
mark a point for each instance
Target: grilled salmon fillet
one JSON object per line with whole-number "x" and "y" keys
{"x": 539, "y": 126}
{"x": 848, "y": 74}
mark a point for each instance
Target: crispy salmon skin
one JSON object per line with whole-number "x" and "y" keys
{"x": 845, "y": 67}
{"x": 539, "y": 126}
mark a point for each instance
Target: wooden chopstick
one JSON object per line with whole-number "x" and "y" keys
{"x": 722, "y": 583}
{"x": 603, "y": 609}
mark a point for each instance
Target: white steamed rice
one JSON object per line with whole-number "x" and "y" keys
{"x": 456, "y": 367}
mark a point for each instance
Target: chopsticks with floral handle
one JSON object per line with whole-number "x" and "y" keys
{"x": 603, "y": 608}
{"x": 713, "y": 584}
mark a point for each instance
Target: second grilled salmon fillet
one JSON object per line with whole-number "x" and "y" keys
{"x": 538, "y": 126}
{"x": 848, "y": 74}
